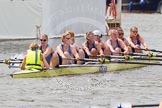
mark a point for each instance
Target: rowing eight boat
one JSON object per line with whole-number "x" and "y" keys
{"x": 74, "y": 70}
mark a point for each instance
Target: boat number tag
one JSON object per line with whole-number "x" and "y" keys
{"x": 103, "y": 69}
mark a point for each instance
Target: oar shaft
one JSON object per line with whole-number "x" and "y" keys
{"x": 133, "y": 58}
{"x": 9, "y": 62}
{"x": 102, "y": 61}
{"x": 153, "y": 50}
{"x": 145, "y": 105}
{"x": 148, "y": 55}
{"x": 131, "y": 62}
{"x": 82, "y": 59}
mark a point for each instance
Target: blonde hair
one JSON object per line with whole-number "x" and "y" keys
{"x": 33, "y": 46}
{"x": 72, "y": 34}
{"x": 131, "y": 29}
{"x": 134, "y": 27}
{"x": 87, "y": 34}
{"x": 44, "y": 35}
{"x": 63, "y": 36}
{"x": 111, "y": 31}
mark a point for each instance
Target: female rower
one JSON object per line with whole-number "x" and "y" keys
{"x": 121, "y": 36}
{"x": 75, "y": 46}
{"x": 46, "y": 49}
{"x": 64, "y": 52}
{"x": 115, "y": 44}
{"x": 91, "y": 47}
{"x": 34, "y": 58}
{"x": 104, "y": 47}
{"x": 136, "y": 40}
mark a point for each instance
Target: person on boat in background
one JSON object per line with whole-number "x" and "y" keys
{"x": 104, "y": 47}
{"x": 75, "y": 46}
{"x": 121, "y": 36}
{"x": 110, "y": 11}
{"x": 64, "y": 51}
{"x": 91, "y": 47}
{"x": 34, "y": 59}
{"x": 136, "y": 40}
{"x": 115, "y": 44}
{"x": 45, "y": 47}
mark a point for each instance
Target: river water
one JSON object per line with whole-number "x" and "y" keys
{"x": 136, "y": 86}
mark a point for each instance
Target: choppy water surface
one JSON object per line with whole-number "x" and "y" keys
{"x": 136, "y": 86}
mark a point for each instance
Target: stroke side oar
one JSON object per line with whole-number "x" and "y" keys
{"x": 133, "y": 58}
{"x": 153, "y": 50}
{"x": 106, "y": 61}
{"x": 141, "y": 54}
{"x": 130, "y": 62}
{"x": 82, "y": 59}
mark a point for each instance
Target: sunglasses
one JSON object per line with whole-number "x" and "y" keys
{"x": 121, "y": 33}
{"x": 42, "y": 40}
{"x": 90, "y": 35}
{"x": 67, "y": 38}
{"x": 135, "y": 31}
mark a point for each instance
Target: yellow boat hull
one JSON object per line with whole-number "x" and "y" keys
{"x": 74, "y": 70}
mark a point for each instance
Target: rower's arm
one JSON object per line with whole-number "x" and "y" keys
{"x": 23, "y": 64}
{"x": 44, "y": 62}
{"x": 99, "y": 48}
{"x": 74, "y": 51}
{"x": 131, "y": 43}
{"x": 110, "y": 46}
{"x": 48, "y": 51}
{"x": 85, "y": 48}
{"x": 59, "y": 50}
{"x": 143, "y": 42}
{"x": 123, "y": 46}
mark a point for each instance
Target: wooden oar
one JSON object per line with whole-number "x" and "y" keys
{"x": 153, "y": 50}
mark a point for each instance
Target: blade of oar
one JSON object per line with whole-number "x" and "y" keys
{"x": 145, "y": 105}
{"x": 153, "y": 50}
